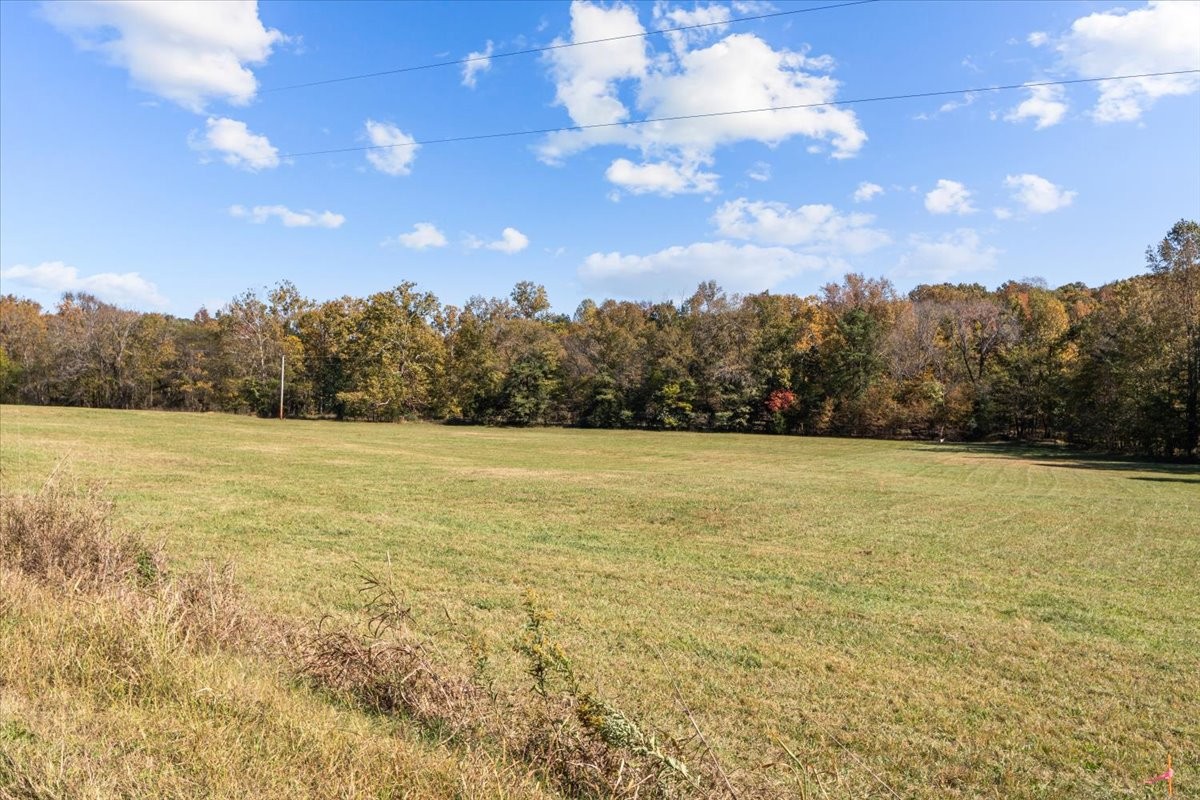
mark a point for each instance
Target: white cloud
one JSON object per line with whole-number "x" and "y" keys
{"x": 1002, "y": 213}
{"x": 238, "y": 145}
{"x": 187, "y": 52}
{"x": 1159, "y": 37}
{"x": 585, "y": 76}
{"x": 1045, "y": 104}
{"x": 423, "y": 235}
{"x": 742, "y": 71}
{"x": 1038, "y": 195}
{"x": 675, "y": 271}
{"x": 820, "y": 228}
{"x": 290, "y": 219}
{"x": 511, "y": 241}
{"x": 124, "y": 288}
{"x": 968, "y": 98}
{"x": 664, "y": 178}
{"x": 1037, "y": 38}
{"x": 784, "y": 241}
{"x": 761, "y": 171}
{"x": 398, "y": 151}
{"x": 950, "y": 255}
{"x": 479, "y": 62}
{"x": 867, "y": 191}
{"x": 746, "y": 8}
{"x": 949, "y": 197}
{"x": 739, "y": 71}
{"x": 714, "y": 17}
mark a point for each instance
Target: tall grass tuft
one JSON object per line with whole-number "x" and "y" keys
{"x": 63, "y": 535}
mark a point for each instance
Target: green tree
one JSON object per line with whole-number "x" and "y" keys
{"x": 530, "y": 299}
{"x": 529, "y": 389}
{"x": 1176, "y": 263}
{"x": 253, "y": 341}
{"x": 24, "y": 341}
{"x": 395, "y": 356}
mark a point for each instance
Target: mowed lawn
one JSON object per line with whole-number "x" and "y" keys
{"x": 960, "y": 620}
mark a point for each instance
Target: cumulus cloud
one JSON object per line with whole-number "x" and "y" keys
{"x": 819, "y": 228}
{"x": 187, "y": 52}
{"x": 778, "y": 242}
{"x": 511, "y": 241}
{"x": 948, "y": 256}
{"x": 949, "y": 197}
{"x": 676, "y": 270}
{"x": 423, "y": 236}
{"x": 1038, "y": 195}
{"x": 585, "y": 77}
{"x": 626, "y": 80}
{"x": 1160, "y": 37}
{"x": 1037, "y": 38}
{"x": 743, "y": 71}
{"x": 398, "y": 151}
{"x": 661, "y": 177}
{"x": 237, "y": 145}
{"x": 290, "y": 219}
{"x": 1046, "y": 105}
{"x": 124, "y": 288}
{"x": 715, "y": 18}
{"x": 867, "y": 191}
{"x": 477, "y": 62}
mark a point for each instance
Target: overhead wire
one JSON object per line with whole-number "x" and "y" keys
{"x": 711, "y": 114}
{"x": 561, "y": 46}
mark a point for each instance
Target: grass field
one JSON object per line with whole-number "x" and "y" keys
{"x": 951, "y": 620}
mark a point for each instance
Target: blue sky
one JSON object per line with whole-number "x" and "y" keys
{"x": 143, "y": 147}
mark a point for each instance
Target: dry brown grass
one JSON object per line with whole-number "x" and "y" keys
{"x": 63, "y": 535}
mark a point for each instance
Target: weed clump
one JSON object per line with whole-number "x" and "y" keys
{"x": 62, "y": 535}
{"x": 386, "y": 669}
{"x": 63, "y": 538}
{"x": 565, "y": 734}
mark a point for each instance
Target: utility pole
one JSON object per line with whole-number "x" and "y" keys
{"x": 282, "y": 361}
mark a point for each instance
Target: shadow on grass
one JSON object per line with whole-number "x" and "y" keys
{"x": 1064, "y": 458}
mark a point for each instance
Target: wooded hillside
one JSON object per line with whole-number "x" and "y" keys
{"x": 1115, "y": 367}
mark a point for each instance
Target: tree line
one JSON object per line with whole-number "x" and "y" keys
{"x": 1115, "y": 367}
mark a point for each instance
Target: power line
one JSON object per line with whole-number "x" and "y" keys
{"x": 561, "y": 46}
{"x": 683, "y": 117}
